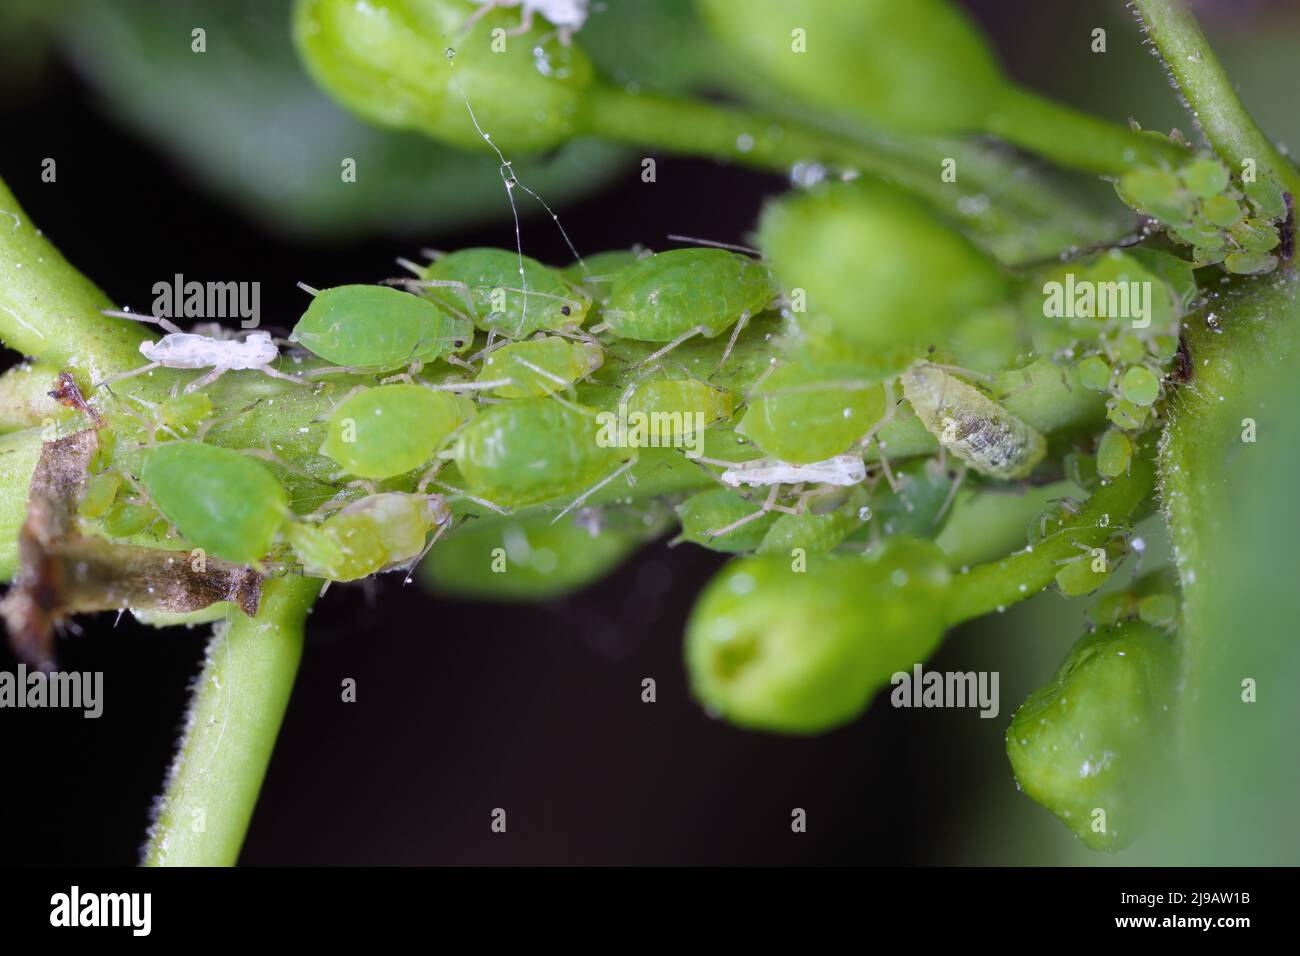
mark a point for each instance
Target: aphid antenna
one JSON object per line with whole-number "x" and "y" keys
{"x": 620, "y": 470}
{"x": 208, "y": 426}
{"x": 769, "y": 504}
{"x": 168, "y": 326}
{"x": 731, "y": 342}
{"x": 733, "y": 247}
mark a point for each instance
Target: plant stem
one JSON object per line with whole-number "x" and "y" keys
{"x": 19, "y": 452}
{"x": 1018, "y": 228}
{"x": 50, "y": 311}
{"x": 1075, "y": 139}
{"x": 234, "y": 717}
{"x": 1214, "y": 104}
{"x": 999, "y": 584}
{"x": 24, "y": 397}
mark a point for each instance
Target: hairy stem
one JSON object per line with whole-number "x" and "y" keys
{"x": 234, "y": 717}
{"x": 50, "y": 311}
{"x": 1214, "y": 103}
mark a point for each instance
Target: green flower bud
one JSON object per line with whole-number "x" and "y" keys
{"x": 919, "y": 65}
{"x": 775, "y": 645}
{"x": 391, "y": 62}
{"x": 1087, "y": 744}
{"x": 878, "y": 267}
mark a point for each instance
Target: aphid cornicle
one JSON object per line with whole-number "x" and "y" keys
{"x": 219, "y": 500}
{"x": 381, "y": 432}
{"x": 533, "y": 450}
{"x": 377, "y": 328}
{"x": 379, "y": 532}
{"x": 673, "y": 295}
{"x": 485, "y": 286}
{"x": 539, "y": 367}
{"x": 971, "y": 425}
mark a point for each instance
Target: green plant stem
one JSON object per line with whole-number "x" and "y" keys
{"x": 1075, "y": 139}
{"x": 50, "y": 311}
{"x": 18, "y": 454}
{"x": 1214, "y": 103}
{"x": 1257, "y": 330}
{"x": 234, "y": 717}
{"x": 1019, "y": 230}
{"x": 999, "y": 584}
{"x": 24, "y": 397}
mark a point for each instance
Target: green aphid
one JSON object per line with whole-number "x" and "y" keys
{"x": 1125, "y": 414}
{"x": 1094, "y": 373}
{"x": 1159, "y": 610}
{"x": 1157, "y": 193}
{"x": 539, "y": 366}
{"x": 1140, "y": 386}
{"x": 820, "y": 528}
{"x": 486, "y": 287}
{"x": 675, "y": 408}
{"x": 1250, "y": 263}
{"x": 1089, "y": 744}
{"x": 1222, "y": 211}
{"x": 1089, "y": 571}
{"x": 376, "y": 533}
{"x": 181, "y": 415}
{"x": 1114, "y": 453}
{"x": 1267, "y": 197}
{"x": 123, "y": 519}
{"x": 916, "y": 506}
{"x": 376, "y": 328}
{"x": 795, "y": 417}
{"x": 226, "y": 503}
{"x": 99, "y": 494}
{"x": 971, "y": 425}
{"x": 707, "y": 512}
{"x": 532, "y": 450}
{"x": 595, "y": 274}
{"x": 1255, "y": 235}
{"x": 699, "y": 291}
{"x": 1110, "y": 609}
{"x": 1204, "y": 177}
{"x": 381, "y": 432}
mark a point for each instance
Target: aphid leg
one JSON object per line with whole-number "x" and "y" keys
{"x": 122, "y": 376}
{"x": 468, "y": 497}
{"x": 768, "y": 506}
{"x": 202, "y": 431}
{"x": 415, "y": 562}
{"x": 693, "y": 240}
{"x": 952, "y": 496}
{"x": 463, "y": 290}
{"x": 168, "y": 326}
{"x": 621, "y": 469}
{"x": 654, "y": 356}
{"x": 772, "y": 366}
{"x": 468, "y": 386}
{"x": 731, "y": 342}
{"x": 1027, "y": 384}
{"x": 525, "y": 23}
{"x": 283, "y": 376}
{"x": 205, "y": 380}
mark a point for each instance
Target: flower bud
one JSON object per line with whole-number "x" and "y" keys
{"x": 776, "y": 643}
{"x": 410, "y": 64}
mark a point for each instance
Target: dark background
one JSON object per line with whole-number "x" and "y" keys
{"x": 463, "y": 706}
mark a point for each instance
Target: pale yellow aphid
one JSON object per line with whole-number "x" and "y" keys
{"x": 972, "y": 426}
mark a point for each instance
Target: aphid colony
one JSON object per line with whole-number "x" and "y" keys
{"x": 476, "y": 386}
